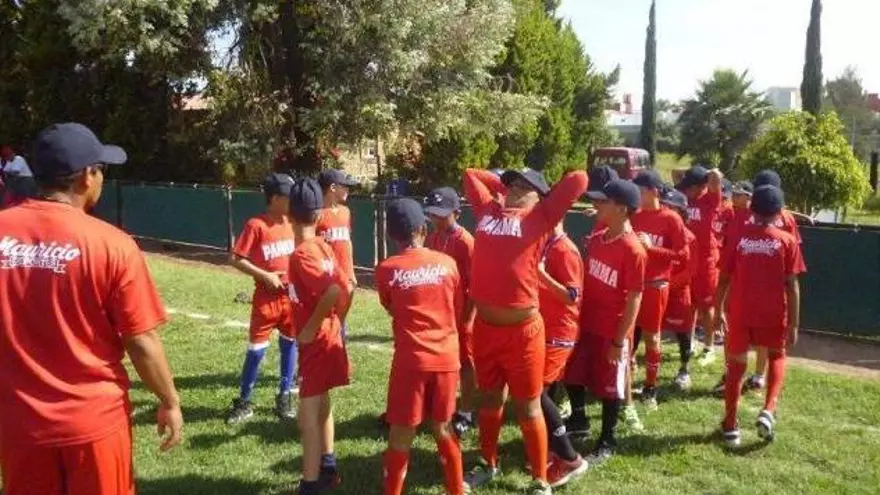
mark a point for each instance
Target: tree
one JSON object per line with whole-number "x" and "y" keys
{"x": 848, "y": 98}
{"x": 814, "y": 160}
{"x": 811, "y": 87}
{"x": 647, "y": 135}
{"x": 723, "y": 117}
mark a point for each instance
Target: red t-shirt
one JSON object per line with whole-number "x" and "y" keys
{"x": 421, "y": 289}
{"x": 683, "y": 270}
{"x": 701, "y": 213}
{"x": 785, "y": 221}
{"x": 563, "y": 263}
{"x": 335, "y": 227}
{"x": 759, "y": 266}
{"x": 612, "y": 269}
{"x": 459, "y": 244}
{"x": 313, "y": 270}
{"x": 508, "y": 241}
{"x": 74, "y": 288}
{"x": 666, "y": 230}
{"x": 268, "y": 245}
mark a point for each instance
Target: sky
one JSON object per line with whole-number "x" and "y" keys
{"x": 694, "y": 37}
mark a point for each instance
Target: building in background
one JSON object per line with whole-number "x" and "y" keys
{"x": 623, "y": 118}
{"x": 784, "y": 99}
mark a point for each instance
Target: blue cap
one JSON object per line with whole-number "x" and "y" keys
{"x": 306, "y": 196}
{"x": 694, "y": 176}
{"x": 649, "y": 179}
{"x": 442, "y": 202}
{"x": 622, "y": 192}
{"x": 403, "y": 217}
{"x": 278, "y": 185}
{"x": 332, "y": 176}
{"x": 768, "y": 177}
{"x": 767, "y": 200}
{"x": 601, "y": 175}
{"x": 743, "y": 187}
{"x": 64, "y": 149}
{"x": 532, "y": 177}
{"x": 675, "y": 199}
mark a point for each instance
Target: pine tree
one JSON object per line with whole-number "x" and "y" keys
{"x": 647, "y": 136}
{"x": 811, "y": 87}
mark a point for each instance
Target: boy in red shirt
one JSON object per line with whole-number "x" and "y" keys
{"x": 263, "y": 251}
{"x": 760, "y": 276}
{"x": 421, "y": 289}
{"x": 335, "y": 226}
{"x": 614, "y": 279}
{"x": 317, "y": 290}
{"x": 561, "y": 272}
{"x": 77, "y": 296}
{"x": 443, "y": 206}
{"x": 509, "y": 344}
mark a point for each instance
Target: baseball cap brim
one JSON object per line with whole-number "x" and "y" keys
{"x": 511, "y": 175}
{"x": 596, "y": 196}
{"x": 113, "y": 155}
{"x": 349, "y": 181}
{"x": 438, "y": 211}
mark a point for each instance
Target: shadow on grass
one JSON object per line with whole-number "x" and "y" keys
{"x": 270, "y": 431}
{"x": 369, "y": 339}
{"x": 199, "y": 485}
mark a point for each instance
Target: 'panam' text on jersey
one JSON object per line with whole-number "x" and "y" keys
{"x": 337, "y": 234}
{"x": 603, "y": 272}
{"x": 278, "y": 249}
{"x": 505, "y": 226}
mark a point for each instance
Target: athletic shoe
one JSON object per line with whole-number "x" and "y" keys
{"x": 577, "y": 426}
{"x": 765, "y": 424}
{"x": 564, "y": 407}
{"x": 631, "y": 419}
{"x": 241, "y": 410}
{"x": 602, "y": 453}
{"x": 561, "y": 471}
{"x": 461, "y": 424}
{"x": 284, "y": 406}
{"x": 731, "y": 437}
{"x": 481, "y": 474}
{"x": 649, "y": 398}
{"x": 753, "y": 384}
{"x": 539, "y": 487}
{"x": 683, "y": 380}
{"x": 718, "y": 389}
{"x": 329, "y": 478}
{"x": 707, "y": 357}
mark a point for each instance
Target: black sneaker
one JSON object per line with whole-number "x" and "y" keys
{"x": 329, "y": 478}
{"x": 753, "y": 384}
{"x": 461, "y": 424}
{"x": 731, "y": 437}
{"x": 600, "y": 454}
{"x": 577, "y": 425}
{"x": 649, "y": 398}
{"x": 766, "y": 424}
{"x": 241, "y": 410}
{"x": 284, "y": 406}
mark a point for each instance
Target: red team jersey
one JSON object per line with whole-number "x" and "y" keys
{"x": 612, "y": 269}
{"x": 683, "y": 270}
{"x": 335, "y": 227}
{"x": 459, "y": 244}
{"x": 313, "y": 270}
{"x": 508, "y": 241}
{"x": 421, "y": 289}
{"x": 667, "y": 233}
{"x": 563, "y": 263}
{"x": 785, "y": 221}
{"x": 268, "y": 245}
{"x": 74, "y": 288}
{"x": 702, "y": 213}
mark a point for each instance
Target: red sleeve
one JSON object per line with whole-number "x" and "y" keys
{"x": 634, "y": 268}
{"x": 247, "y": 240}
{"x": 383, "y": 286}
{"x": 458, "y": 298}
{"x": 481, "y": 187}
{"x": 554, "y": 207}
{"x": 135, "y": 306}
{"x": 793, "y": 261}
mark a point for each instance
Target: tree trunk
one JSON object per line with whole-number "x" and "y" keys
{"x": 303, "y": 144}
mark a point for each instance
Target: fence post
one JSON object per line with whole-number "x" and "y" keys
{"x": 230, "y": 232}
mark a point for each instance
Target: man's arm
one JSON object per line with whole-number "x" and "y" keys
{"x": 560, "y": 199}
{"x": 481, "y": 187}
{"x": 148, "y": 357}
{"x": 322, "y": 310}
{"x": 793, "y": 292}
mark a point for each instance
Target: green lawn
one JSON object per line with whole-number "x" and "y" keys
{"x": 829, "y": 438}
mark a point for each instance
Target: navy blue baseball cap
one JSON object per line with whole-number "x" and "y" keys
{"x": 442, "y": 202}
{"x": 601, "y": 175}
{"x": 64, "y": 149}
{"x": 675, "y": 199}
{"x": 743, "y": 187}
{"x": 278, "y": 185}
{"x": 649, "y": 179}
{"x": 534, "y": 178}
{"x": 403, "y": 217}
{"x": 694, "y": 176}
{"x": 306, "y": 196}
{"x": 619, "y": 191}
{"x": 767, "y": 200}
{"x": 767, "y": 177}
{"x": 332, "y": 176}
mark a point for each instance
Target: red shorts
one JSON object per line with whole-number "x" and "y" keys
{"x": 414, "y": 396}
{"x": 704, "y": 285}
{"x": 741, "y": 338}
{"x": 466, "y": 346}
{"x": 679, "y": 316}
{"x": 269, "y": 314}
{"x": 589, "y": 367}
{"x": 323, "y": 363}
{"x": 654, "y": 302}
{"x": 102, "y": 467}
{"x": 555, "y": 361}
{"x": 512, "y": 355}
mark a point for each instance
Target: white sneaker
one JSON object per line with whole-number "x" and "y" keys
{"x": 683, "y": 380}
{"x": 732, "y": 437}
{"x": 765, "y": 424}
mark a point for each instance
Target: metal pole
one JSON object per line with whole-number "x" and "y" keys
{"x": 230, "y": 232}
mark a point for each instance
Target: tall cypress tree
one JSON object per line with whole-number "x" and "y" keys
{"x": 811, "y": 87}
{"x": 647, "y": 136}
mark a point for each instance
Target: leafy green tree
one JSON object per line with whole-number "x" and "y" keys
{"x": 846, "y": 96}
{"x": 814, "y": 160}
{"x": 648, "y": 133}
{"x": 811, "y": 87}
{"x": 723, "y": 117}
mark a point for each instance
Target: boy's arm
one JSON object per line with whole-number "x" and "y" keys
{"x": 559, "y": 291}
{"x": 268, "y": 279}
{"x": 481, "y": 187}
{"x": 721, "y": 295}
{"x": 627, "y": 322}
{"x": 567, "y": 287}
{"x": 560, "y": 199}
{"x": 793, "y": 292}
{"x": 322, "y": 310}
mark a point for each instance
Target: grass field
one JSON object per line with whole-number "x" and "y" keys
{"x": 829, "y": 438}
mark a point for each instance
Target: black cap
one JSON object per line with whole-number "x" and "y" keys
{"x": 443, "y": 201}
{"x": 332, "y": 176}
{"x": 694, "y": 176}
{"x": 533, "y": 177}
{"x": 768, "y": 177}
{"x": 743, "y": 187}
{"x": 306, "y": 196}
{"x": 601, "y": 175}
{"x": 278, "y": 185}
{"x": 403, "y": 216}
{"x": 767, "y": 200}
{"x": 622, "y": 192}
{"x": 649, "y": 179}
{"x": 64, "y": 149}
{"x": 675, "y": 199}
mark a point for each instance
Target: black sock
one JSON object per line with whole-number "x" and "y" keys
{"x": 577, "y": 395}
{"x": 559, "y": 442}
{"x": 308, "y": 487}
{"x": 684, "y": 349}
{"x": 637, "y": 339}
{"x": 610, "y": 412}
